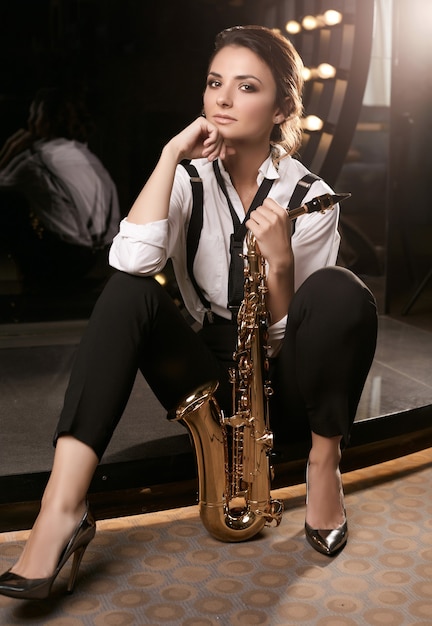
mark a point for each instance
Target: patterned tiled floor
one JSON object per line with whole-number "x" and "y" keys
{"x": 163, "y": 568}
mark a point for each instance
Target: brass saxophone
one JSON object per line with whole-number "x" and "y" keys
{"x": 233, "y": 453}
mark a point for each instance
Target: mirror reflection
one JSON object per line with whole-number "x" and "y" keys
{"x": 59, "y": 204}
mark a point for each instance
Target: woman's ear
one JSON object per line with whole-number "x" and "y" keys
{"x": 287, "y": 109}
{"x": 283, "y": 112}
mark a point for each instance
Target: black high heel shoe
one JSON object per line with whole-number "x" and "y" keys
{"x": 15, "y": 586}
{"x": 327, "y": 541}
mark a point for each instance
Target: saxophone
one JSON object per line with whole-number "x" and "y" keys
{"x": 233, "y": 452}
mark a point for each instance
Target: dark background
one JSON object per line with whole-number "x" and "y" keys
{"x": 141, "y": 64}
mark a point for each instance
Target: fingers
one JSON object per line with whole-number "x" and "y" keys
{"x": 271, "y": 226}
{"x": 201, "y": 139}
{"x": 214, "y": 145}
{"x": 268, "y": 215}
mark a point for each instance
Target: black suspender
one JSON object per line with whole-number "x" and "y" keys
{"x": 300, "y": 191}
{"x": 235, "y": 287}
{"x": 194, "y": 229}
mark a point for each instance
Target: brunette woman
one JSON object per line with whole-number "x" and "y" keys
{"x": 323, "y": 318}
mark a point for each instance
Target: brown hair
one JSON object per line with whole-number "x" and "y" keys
{"x": 286, "y": 66}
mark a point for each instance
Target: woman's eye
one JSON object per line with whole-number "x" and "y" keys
{"x": 247, "y": 87}
{"x": 213, "y": 83}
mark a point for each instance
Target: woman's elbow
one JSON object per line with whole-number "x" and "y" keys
{"x": 133, "y": 263}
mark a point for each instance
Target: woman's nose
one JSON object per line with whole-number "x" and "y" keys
{"x": 224, "y": 98}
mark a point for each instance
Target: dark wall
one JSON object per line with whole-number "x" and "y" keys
{"x": 141, "y": 63}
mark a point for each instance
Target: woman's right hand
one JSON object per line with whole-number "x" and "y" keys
{"x": 200, "y": 139}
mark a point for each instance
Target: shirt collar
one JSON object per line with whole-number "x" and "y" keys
{"x": 266, "y": 170}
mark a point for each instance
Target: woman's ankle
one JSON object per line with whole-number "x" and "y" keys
{"x": 325, "y": 506}
{"x": 54, "y": 503}
{"x": 51, "y": 531}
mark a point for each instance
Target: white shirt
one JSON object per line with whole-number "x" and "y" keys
{"x": 68, "y": 188}
{"x": 144, "y": 249}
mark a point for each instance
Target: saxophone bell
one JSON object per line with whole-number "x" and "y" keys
{"x": 228, "y": 514}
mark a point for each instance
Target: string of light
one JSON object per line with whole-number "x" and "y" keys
{"x": 324, "y": 71}
{"x": 311, "y": 22}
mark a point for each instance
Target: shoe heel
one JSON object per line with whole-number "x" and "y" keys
{"x": 77, "y": 558}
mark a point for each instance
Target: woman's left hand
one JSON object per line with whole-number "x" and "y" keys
{"x": 272, "y": 229}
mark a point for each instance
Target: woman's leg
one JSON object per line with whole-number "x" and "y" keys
{"x": 325, "y": 505}
{"x": 134, "y": 325}
{"x": 322, "y": 367}
{"x": 62, "y": 507}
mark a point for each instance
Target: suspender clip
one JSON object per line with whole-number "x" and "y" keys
{"x": 234, "y": 312}
{"x": 209, "y": 316}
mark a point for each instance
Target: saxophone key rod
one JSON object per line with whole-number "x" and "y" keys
{"x": 320, "y": 203}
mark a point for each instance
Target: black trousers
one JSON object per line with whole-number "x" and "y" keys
{"x": 318, "y": 374}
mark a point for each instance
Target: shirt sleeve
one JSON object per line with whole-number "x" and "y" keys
{"x": 316, "y": 238}
{"x": 140, "y": 249}
{"x": 143, "y": 249}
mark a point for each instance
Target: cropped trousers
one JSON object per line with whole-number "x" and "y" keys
{"x": 318, "y": 374}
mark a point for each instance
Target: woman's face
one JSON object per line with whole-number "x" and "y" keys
{"x": 240, "y": 97}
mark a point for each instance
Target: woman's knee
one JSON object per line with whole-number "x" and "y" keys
{"x": 338, "y": 292}
{"x": 124, "y": 290}
{"x": 129, "y": 283}
{"x": 127, "y": 298}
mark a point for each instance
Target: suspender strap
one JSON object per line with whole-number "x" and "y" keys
{"x": 236, "y": 270}
{"x": 300, "y": 191}
{"x": 195, "y": 228}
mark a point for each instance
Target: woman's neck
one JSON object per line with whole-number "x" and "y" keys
{"x": 243, "y": 167}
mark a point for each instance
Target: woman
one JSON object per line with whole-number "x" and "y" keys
{"x": 320, "y": 358}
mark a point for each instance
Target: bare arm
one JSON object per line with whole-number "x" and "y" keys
{"x": 198, "y": 140}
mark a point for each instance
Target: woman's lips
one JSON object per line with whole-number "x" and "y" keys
{"x": 223, "y": 119}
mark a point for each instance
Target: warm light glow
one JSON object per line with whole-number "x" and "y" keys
{"x": 312, "y": 123}
{"x": 310, "y": 22}
{"x": 292, "y": 27}
{"x": 161, "y": 279}
{"x": 332, "y": 17}
{"x": 325, "y": 70}
{"x": 307, "y": 73}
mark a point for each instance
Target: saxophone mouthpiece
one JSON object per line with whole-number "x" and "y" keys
{"x": 320, "y": 203}
{"x": 326, "y": 201}
{"x": 340, "y": 197}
